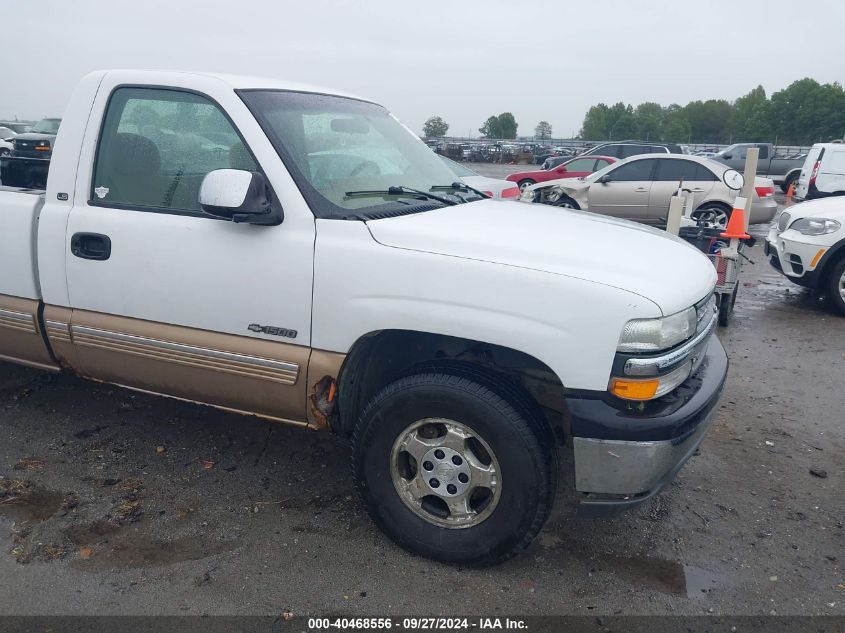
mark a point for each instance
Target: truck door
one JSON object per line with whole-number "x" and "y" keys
{"x": 626, "y": 193}
{"x": 168, "y": 299}
{"x": 670, "y": 172}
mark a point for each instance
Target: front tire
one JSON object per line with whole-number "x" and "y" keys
{"x": 455, "y": 466}
{"x": 525, "y": 182}
{"x": 835, "y": 286}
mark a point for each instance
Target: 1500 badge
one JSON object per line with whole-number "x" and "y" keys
{"x": 272, "y": 330}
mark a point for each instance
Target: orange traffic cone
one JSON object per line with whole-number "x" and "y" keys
{"x": 736, "y": 225}
{"x": 789, "y": 193}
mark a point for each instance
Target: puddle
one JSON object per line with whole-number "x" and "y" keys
{"x": 127, "y": 550}
{"x": 658, "y": 574}
{"x": 700, "y": 581}
{"x": 27, "y": 502}
{"x": 667, "y": 576}
{"x": 89, "y": 533}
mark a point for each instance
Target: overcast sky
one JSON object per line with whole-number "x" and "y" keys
{"x": 461, "y": 59}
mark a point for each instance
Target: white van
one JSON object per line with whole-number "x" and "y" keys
{"x": 823, "y": 173}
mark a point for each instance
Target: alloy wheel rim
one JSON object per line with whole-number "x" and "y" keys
{"x": 445, "y": 473}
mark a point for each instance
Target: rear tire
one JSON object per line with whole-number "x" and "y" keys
{"x": 446, "y": 417}
{"x": 716, "y": 214}
{"x": 834, "y": 286}
{"x": 784, "y": 186}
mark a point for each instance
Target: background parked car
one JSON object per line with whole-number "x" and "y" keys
{"x": 823, "y": 172}
{"x": 18, "y": 127}
{"x": 5, "y": 148}
{"x": 569, "y": 168}
{"x": 639, "y": 188}
{"x": 493, "y": 187}
{"x": 784, "y": 170}
{"x": 624, "y": 149}
{"x": 39, "y": 142}
{"x": 807, "y": 245}
{"x": 7, "y": 133}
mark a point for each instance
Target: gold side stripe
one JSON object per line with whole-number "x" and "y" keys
{"x": 242, "y": 369}
{"x": 15, "y": 320}
{"x": 240, "y": 364}
{"x": 58, "y": 331}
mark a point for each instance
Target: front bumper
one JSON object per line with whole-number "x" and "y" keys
{"x": 624, "y": 457}
{"x": 796, "y": 256}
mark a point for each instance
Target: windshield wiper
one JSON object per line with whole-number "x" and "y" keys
{"x": 462, "y": 186}
{"x": 400, "y": 191}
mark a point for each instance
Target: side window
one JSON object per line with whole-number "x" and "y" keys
{"x": 703, "y": 174}
{"x": 633, "y": 171}
{"x": 633, "y": 150}
{"x": 157, "y": 145}
{"x": 673, "y": 170}
{"x": 601, "y": 164}
{"x": 764, "y": 152}
{"x": 657, "y": 149}
{"x": 583, "y": 164}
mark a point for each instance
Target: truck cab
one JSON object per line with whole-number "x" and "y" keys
{"x": 298, "y": 254}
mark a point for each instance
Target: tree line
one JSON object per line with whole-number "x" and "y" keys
{"x": 502, "y": 126}
{"x": 803, "y": 113}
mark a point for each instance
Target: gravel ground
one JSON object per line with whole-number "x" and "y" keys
{"x": 117, "y": 503}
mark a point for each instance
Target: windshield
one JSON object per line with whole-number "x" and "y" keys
{"x": 459, "y": 170}
{"x": 47, "y": 126}
{"x": 334, "y": 146}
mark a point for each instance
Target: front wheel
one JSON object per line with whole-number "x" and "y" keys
{"x": 455, "y": 467}
{"x": 5, "y": 152}
{"x": 525, "y": 182}
{"x": 835, "y": 286}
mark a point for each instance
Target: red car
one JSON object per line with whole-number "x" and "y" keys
{"x": 578, "y": 167}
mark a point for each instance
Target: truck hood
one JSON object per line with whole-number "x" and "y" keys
{"x": 588, "y": 246}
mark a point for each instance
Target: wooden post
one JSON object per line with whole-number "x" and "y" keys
{"x": 676, "y": 209}
{"x": 750, "y": 175}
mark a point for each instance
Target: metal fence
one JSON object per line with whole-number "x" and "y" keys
{"x": 780, "y": 150}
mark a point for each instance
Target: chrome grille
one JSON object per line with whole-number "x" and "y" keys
{"x": 783, "y": 222}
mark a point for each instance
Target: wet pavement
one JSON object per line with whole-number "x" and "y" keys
{"x": 113, "y": 502}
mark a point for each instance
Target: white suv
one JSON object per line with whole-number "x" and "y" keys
{"x": 823, "y": 173}
{"x": 807, "y": 244}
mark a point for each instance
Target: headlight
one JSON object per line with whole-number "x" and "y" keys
{"x": 815, "y": 226}
{"x": 653, "y": 335}
{"x": 527, "y": 195}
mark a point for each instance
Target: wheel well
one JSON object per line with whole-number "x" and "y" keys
{"x": 834, "y": 256}
{"x": 380, "y": 358}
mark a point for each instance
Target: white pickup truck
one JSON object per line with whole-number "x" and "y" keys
{"x": 298, "y": 254}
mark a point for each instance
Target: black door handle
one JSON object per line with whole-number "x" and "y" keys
{"x": 90, "y": 246}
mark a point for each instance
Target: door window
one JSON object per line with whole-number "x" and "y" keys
{"x": 637, "y": 170}
{"x": 156, "y": 147}
{"x": 675, "y": 170}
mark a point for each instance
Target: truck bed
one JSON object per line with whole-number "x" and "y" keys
{"x": 19, "y": 211}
